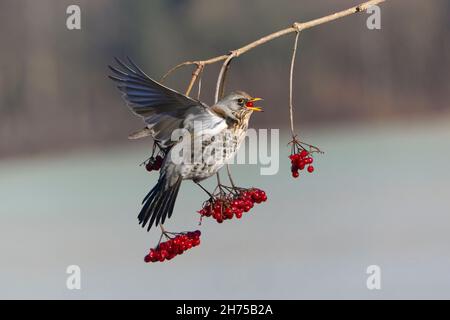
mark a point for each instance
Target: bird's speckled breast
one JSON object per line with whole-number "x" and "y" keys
{"x": 216, "y": 151}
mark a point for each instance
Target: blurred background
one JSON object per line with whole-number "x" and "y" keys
{"x": 376, "y": 101}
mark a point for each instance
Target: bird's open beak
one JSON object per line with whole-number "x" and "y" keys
{"x": 250, "y": 105}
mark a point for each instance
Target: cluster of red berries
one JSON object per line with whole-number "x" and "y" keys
{"x": 154, "y": 163}
{"x": 299, "y": 161}
{"x": 226, "y": 206}
{"x": 167, "y": 250}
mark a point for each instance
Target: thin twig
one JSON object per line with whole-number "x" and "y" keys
{"x": 178, "y": 66}
{"x": 291, "y": 77}
{"x": 199, "y": 85}
{"x": 224, "y": 79}
{"x": 221, "y": 78}
{"x": 195, "y": 75}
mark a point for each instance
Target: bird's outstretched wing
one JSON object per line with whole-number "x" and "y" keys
{"x": 163, "y": 109}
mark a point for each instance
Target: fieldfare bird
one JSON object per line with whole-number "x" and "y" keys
{"x": 164, "y": 111}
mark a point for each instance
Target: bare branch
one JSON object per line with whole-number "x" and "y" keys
{"x": 295, "y": 27}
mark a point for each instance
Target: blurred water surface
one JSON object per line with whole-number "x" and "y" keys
{"x": 380, "y": 195}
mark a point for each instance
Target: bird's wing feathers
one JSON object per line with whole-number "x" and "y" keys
{"x": 163, "y": 109}
{"x": 144, "y": 95}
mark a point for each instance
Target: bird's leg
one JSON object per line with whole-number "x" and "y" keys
{"x": 229, "y": 176}
{"x": 198, "y": 183}
{"x": 162, "y": 235}
{"x": 218, "y": 178}
{"x": 219, "y": 184}
{"x": 163, "y": 232}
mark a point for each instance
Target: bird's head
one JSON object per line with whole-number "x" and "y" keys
{"x": 237, "y": 105}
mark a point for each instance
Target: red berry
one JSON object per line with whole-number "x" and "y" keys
{"x": 225, "y": 206}
{"x": 172, "y": 247}
{"x": 300, "y": 163}
{"x": 170, "y": 256}
{"x": 303, "y": 153}
{"x": 310, "y": 169}
{"x": 295, "y": 174}
{"x": 149, "y": 166}
{"x": 156, "y": 256}
{"x": 228, "y": 213}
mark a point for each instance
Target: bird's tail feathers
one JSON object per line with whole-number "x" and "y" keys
{"x": 159, "y": 203}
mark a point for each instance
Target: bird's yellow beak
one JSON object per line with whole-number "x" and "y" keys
{"x": 250, "y": 105}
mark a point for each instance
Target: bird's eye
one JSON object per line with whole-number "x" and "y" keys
{"x": 240, "y": 101}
